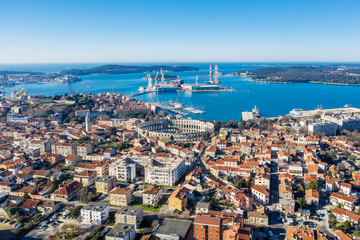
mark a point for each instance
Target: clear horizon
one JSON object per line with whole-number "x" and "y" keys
{"x": 179, "y": 31}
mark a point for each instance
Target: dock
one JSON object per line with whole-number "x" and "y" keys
{"x": 170, "y": 109}
{"x": 347, "y": 110}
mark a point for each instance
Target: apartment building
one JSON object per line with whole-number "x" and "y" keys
{"x": 44, "y": 146}
{"x": 67, "y": 192}
{"x": 178, "y": 199}
{"x": 164, "y": 170}
{"x": 95, "y": 213}
{"x": 84, "y": 149}
{"x": 121, "y": 232}
{"x": 260, "y": 194}
{"x": 86, "y": 177}
{"x": 120, "y": 196}
{"x": 343, "y": 215}
{"x": 346, "y": 202}
{"x": 105, "y": 184}
{"x": 129, "y": 215}
{"x": 152, "y": 195}
{"x": 123, "y": 170}
{"x": 63, "y": 148}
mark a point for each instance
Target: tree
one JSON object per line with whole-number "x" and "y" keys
{"x": 113, "y": 131}
{"x": 301, "y": 202}
{"x": 242, "y": 182}
{"x": 75, "y": 212}
{"x": 347, "y": 226}
{"x": 312, "y": 185}
{"x": 155, "y": 223}
{"x": 197, "y": 193}
{"x": 206, "y": 136}
{"x": 70, "y": 229}
{"x": 301, "y": 188}
{"x": 83, "y": 139}
{"x": 333, "y": 189}
{"x": 329, "y": 174}
{"x": 25, "y": 197}
{"x": 172, "y": 138}
{"x": 97, "y": 236}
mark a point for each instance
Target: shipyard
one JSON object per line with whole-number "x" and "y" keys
{"x": 213, "y": 85}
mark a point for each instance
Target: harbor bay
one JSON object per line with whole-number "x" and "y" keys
{"x": 273, "y": 99}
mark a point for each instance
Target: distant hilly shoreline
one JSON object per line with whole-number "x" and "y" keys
{"x": 333, "y": 75}
{"x": 110, "y": 69}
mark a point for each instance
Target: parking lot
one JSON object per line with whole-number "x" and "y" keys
{"x": 50, "y": 226}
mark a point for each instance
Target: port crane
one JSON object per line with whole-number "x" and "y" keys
{"x": 157, "y": 73}
{"x": 71, "y": 89}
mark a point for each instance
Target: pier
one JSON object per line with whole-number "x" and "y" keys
{"x": 170, "y": 109}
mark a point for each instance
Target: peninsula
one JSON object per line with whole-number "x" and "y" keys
{"x": 339, "y": 75}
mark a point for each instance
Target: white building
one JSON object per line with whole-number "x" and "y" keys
{"x": 95, "y": 213}
{"x": 164, "y": 170}
{"x": 263, "y": 180}
{"x": 12, "y": 117}
{"x": 261, "y": 194}
{"x": 328, "y": 128}
{"x": 158, "y": 170}
{"x": 123, "y": 170}
{"x": 296, "y": 170}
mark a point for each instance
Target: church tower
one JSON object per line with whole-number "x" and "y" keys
{"x": 87, "y": 123}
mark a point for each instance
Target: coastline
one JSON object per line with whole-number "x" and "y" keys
{"x": 310, "y": 82}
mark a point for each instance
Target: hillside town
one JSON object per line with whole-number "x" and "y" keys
{"x": 108, "y": 166}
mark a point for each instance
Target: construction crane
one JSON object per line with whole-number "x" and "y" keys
{"x": 71, "y": 89}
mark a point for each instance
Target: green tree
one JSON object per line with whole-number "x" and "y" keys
{"x": 25, "y": 197}
{"x": 312, "y": 185}
{"x": 301, "y": 188}
{"x": 197, "y": 193}
{"x": 172, "y": 138}
{"x": 333, "y": 189}
{"x": 301, "y": 202}
{"x": 331, "y": 216}
{"x": 347, "y": 226}
{"x": 242, "y": 182}
{"x": 75, "y": 212}
{"x": 83, "y": 139}
{"x": 113, "y": 131}
{"x": 206, "y": 136}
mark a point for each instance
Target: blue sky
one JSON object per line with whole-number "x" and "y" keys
{"x": 179, "y": 31}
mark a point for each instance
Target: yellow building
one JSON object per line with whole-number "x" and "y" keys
{"x": 120, "y": 196}
{"x": 25, "y": 190}
{"x": 178, "y": 199}
{"x": 86, "y": 177}
{"x": 105, "y": 184}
